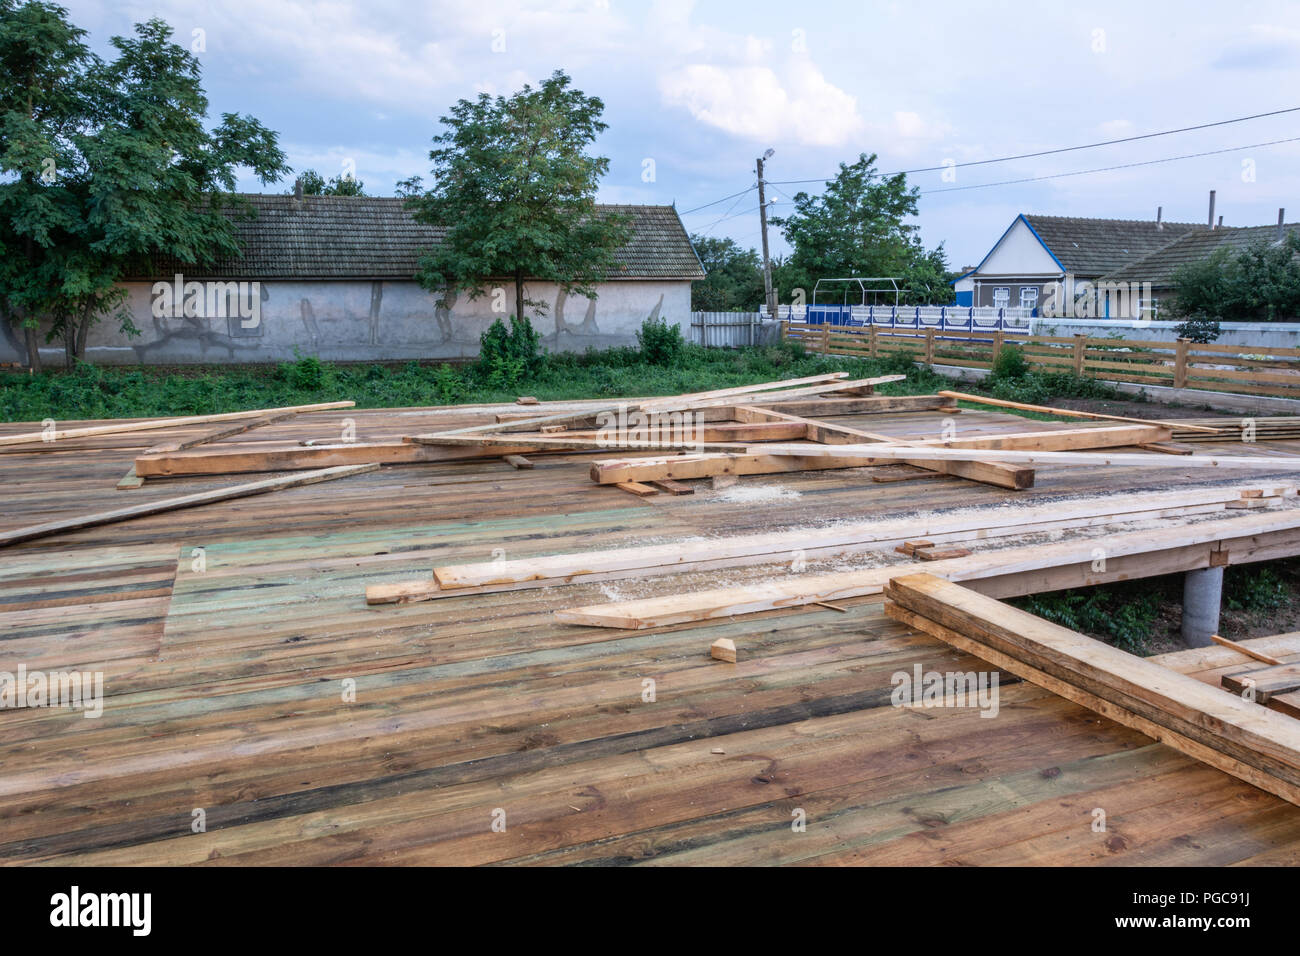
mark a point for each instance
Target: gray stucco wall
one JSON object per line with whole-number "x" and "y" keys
{"x": 369, "y": 321}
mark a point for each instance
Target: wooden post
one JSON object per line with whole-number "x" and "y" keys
{"x": 1080, "y": 346}
{"x": 929, "y": 346}
{"x": 998, "y": 338}
{"x": 1180, "y": 363}
{"x": 826, "y": 339}
{"x": 872, "y": 348}
{"x": 785, "y": 329}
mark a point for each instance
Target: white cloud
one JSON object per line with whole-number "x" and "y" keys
{"x": 797, "y": 106}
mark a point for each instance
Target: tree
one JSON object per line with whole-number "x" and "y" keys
{"x": 314, "y": 184}
{"x": 733, "y": 279}
{"x": 134, "y": 172}
{"x": 514, "y": 189}
{"x": 858, "y": 227}
{"x": 1259, "y": 283}
{"x": 43, "y": 68}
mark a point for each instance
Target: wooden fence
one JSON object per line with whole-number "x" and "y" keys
{"x": 1266, "y": 370}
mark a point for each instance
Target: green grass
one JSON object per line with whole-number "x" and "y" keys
{"x": 129, "y": 392}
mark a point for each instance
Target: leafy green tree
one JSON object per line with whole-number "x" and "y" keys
{"x": 858, "y": 226}
{"x": 733, "y": 279}
{"x": 136, "y": 173}
{"x": 314, "y": 184}
{"x": 44, "y": 63}
{"x": 1260, "y": 283}
{"x": 515, "y": 191}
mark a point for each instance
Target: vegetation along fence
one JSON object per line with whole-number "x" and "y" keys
{"x": 1265, "y": 370}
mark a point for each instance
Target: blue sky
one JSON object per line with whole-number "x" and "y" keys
{"x": 703, "y": 88}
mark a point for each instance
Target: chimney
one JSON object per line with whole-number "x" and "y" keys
{"x": 1281, "y": 215}
{"x": 1160, "y": 213}
{"x": 1211, "y": 208}
{"x": 1220, "y": 222}
{"x": 297, "y": 192}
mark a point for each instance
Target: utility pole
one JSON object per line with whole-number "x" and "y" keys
{"x": 769, "y": 295}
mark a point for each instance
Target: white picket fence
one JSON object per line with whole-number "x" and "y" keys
{"x": 946, "y": 318}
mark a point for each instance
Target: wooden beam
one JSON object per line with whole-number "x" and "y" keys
{"x": 636, "y": 488}
{"x": 93, "y": 431}
{"x": 518, "y": 461}
{"x": 228, "y": 431}
{"x": 173, "y": 504}
{"x": 1071, "y": 413}
{"x": 1237, "y": 736}
{"x": 746, "y": 550}
{"x": 1253, "y": 537}
{"x": 566, "y": 443}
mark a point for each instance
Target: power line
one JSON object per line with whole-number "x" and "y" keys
{"x": 717, "y": 201}
{"x": 728, "y": 214}
{"x": 1106, "y": 169}
{"x": 1063, "y": 149}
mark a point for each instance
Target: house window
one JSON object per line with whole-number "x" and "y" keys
{"x": 1001, "y": 297}
{"x": 1029, "y": 297}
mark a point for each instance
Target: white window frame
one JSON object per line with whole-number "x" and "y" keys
{"x": 1029, "y": 297}
{"x": 1002, "y": 292}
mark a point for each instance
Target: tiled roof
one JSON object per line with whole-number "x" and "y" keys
{"x": 1092, "y": 247}
{"x": 374, "y": 237}
{"x": 1158, "y": 268}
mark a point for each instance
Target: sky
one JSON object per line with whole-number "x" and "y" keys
{"x": 695, "y": 91}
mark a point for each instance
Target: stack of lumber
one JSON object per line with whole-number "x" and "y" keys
{"x": 1225, "y": 731}
{"x": 812, "y": 543}
{"x": 1272, "y": 428}
{"x": 1030, "y": 569}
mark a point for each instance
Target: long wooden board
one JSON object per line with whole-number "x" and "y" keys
{"x": 1069, "y": 412}
{"x": 32, "y": 532}
{"x": 140, "y": 426}
{"x": 1255, "y": 536}
{"x": 669, "y": 558}
{"x": 1232, "y": 734}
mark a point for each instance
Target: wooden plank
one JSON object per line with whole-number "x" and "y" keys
{"x": 518, "y": 461}
{"x": 1069, "y": 412}
{"x": 129, "y": 481}
{"x": 1244, "y": 649}
{"x": 566, "y": 443}
{"x": 1005, "y": 662}
{"x": 173, "y": 504}
{"x": 662, "y": 404}
{"x": 1265, "y": 682}
{"x": 1239, "y": 730}
{"x": 1251, "y": 537}
{"x": 835, "y": 540}
{"x": 673, "y": 487}
{"x": 238, "y": 428}
{"x": 93, "y": 431}
{"x": 878, "y": 454}
{"x": 636, "y": 488}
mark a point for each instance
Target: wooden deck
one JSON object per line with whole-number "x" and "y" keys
{"x": 225, "y": 680}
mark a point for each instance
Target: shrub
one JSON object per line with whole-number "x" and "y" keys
{"x": 507, "y": 355}
{"x": 305, "y": 374}
{"x": 1124, "y": 613}
{"x": 1009, "y": 364}
{"x": 902, "y": 362}
{"x": 661, "y": 343}
{"x": 1200, "y": 327}
{"x": 1251, "y": 590}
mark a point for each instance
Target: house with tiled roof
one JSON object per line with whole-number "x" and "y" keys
{"x": 1158, "y": 268}
{"x": 1036, "y": 252}
{"x": 333, "y": 276}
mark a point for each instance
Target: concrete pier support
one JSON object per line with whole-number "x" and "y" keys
{"x": 1202, "y": 597}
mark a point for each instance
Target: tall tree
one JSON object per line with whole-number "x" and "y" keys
{"x": 733, "y": 279}
{"x": 859, "y": 226}
{"x": 44, "y": 63}
{"x": 135, "y": 172}
{"x": 515, "y": 191}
